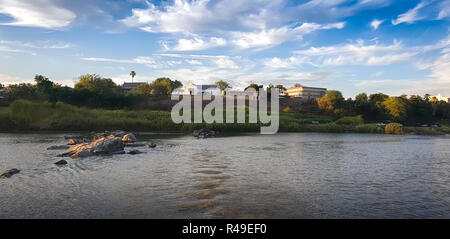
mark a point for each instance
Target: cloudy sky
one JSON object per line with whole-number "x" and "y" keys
{"x": 392, "y": 46}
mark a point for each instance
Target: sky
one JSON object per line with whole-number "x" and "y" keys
{"x": 390, "y": 46}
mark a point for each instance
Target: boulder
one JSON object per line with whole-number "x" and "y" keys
{"x": 61, "y": 162}
{"x": 81, "y": 154}
{"x": 9, "y": 173}
{"x": 102, "y": 146}
{"x": 152, "y": 145}
{"x": 72, "y": 142}
{"x": 129, "y": 138}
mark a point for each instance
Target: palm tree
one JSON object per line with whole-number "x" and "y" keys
{"x": 223, "y": 86}
{"x": 132, "y": 74}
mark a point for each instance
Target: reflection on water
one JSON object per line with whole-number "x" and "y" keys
{"x": 300, "y": 175}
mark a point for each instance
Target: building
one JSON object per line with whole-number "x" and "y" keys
{"x": 305, "y": 92}
{"x": 440, "y": 98}
{"x": 193, "y": 89}
{"x": 127, "y": 86}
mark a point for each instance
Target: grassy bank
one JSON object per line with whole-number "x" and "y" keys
{"x": 25, "y": 115}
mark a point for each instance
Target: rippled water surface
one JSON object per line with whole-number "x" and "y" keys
{"x": 300, "y": 175}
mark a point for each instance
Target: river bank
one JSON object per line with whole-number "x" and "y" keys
{"x": 22, "y": 116}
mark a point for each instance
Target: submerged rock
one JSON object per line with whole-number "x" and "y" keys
{"x": 61, "y": 162}
{"x": 203, "y": 133}
{"x": 9, "y": 173}
{"x": 133, "y": 145}
{"x": 133, "y": 152}
{"x": 58, "y": 147}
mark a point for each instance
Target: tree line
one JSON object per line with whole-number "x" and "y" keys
{"x": 91, "y": 90}
{"x": 414, "y": 109}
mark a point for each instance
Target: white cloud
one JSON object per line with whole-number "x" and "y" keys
{"x": 9, "y": 79}
{"x": 376, "y": 23}
{"x": 248, "y": 24}
{"x": 36, "y": 13}
{"x": 410, "y": 16}
{"x": 358, "y": 54}
{"x": 197, "y": 44}
{"x": 219, "y": 61}
{"x": 275, "y": 36}
{"x": 193, "y": 62}
{"x": 290, "y": 62}
{"x": 445, "y": 10}
{"x": 147, "y": 61}
{"x": 38, "y": 44}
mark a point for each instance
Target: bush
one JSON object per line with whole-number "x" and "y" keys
{"x": 349, "y": 120}
{"x": 287, "y": 110}
{"x": 369, "y": 128}
{"x": 394, "y": 128}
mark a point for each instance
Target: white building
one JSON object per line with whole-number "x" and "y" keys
{"x": 440, "y": 98}
{"x": 306, "y": 92}
{"x": 193, "y": 89}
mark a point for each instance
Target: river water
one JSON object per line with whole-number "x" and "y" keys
{"x": 295, "y": 175}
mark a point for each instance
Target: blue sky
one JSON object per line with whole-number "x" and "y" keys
{"x": 392, "y": 46}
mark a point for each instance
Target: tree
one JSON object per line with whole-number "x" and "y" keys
{"x": 297, "y": 85}
{"x": 281, "y": 87}
{"x": 223, "y": 85}
{"x": 47, "y": 89}
{"x": 2, "y": 86}
{"x": 165, "y": 86}
{"x": 132, "y": 74}
{"x": 332, "y": 101}
{"x": 362, "y": 98}
{"x": 143, "y": 89}
{"x": 378, "y": 97}
{"x": 254, "y": 86}
{"x": 96, "y": 84}
{"x": 397, "y": 108}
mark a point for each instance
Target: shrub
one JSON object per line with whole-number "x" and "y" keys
{"x": 394, "y": 128}
{"x": 349, "y": 120}
{"x": 287, "y": 110}
{"x": 369, "y": 128}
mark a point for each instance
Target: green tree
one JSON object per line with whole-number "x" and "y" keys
{"x": 223, "y": 85}
{"x": 397, "y": 108}
{"x": 332, "y": 101}
{"x": 165, "y": 86}
{"x": 143, "y": 89}
{"x": 361, "y": 98}
{"x": 132, "y": 74}
{"x": 378, "y": 97}
{"x": 254, "y": 86}
{"x": 96, "y": 84}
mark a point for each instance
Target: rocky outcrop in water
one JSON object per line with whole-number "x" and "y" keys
{"x": 9, "y": 173}
{"x": 102, "y": 146}
{"x": 203, "y": 133}
{"x": 105, "y": 143}
{"x": 152, "y": 145}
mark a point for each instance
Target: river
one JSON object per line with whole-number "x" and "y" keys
{"x": 287, "y": 175}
